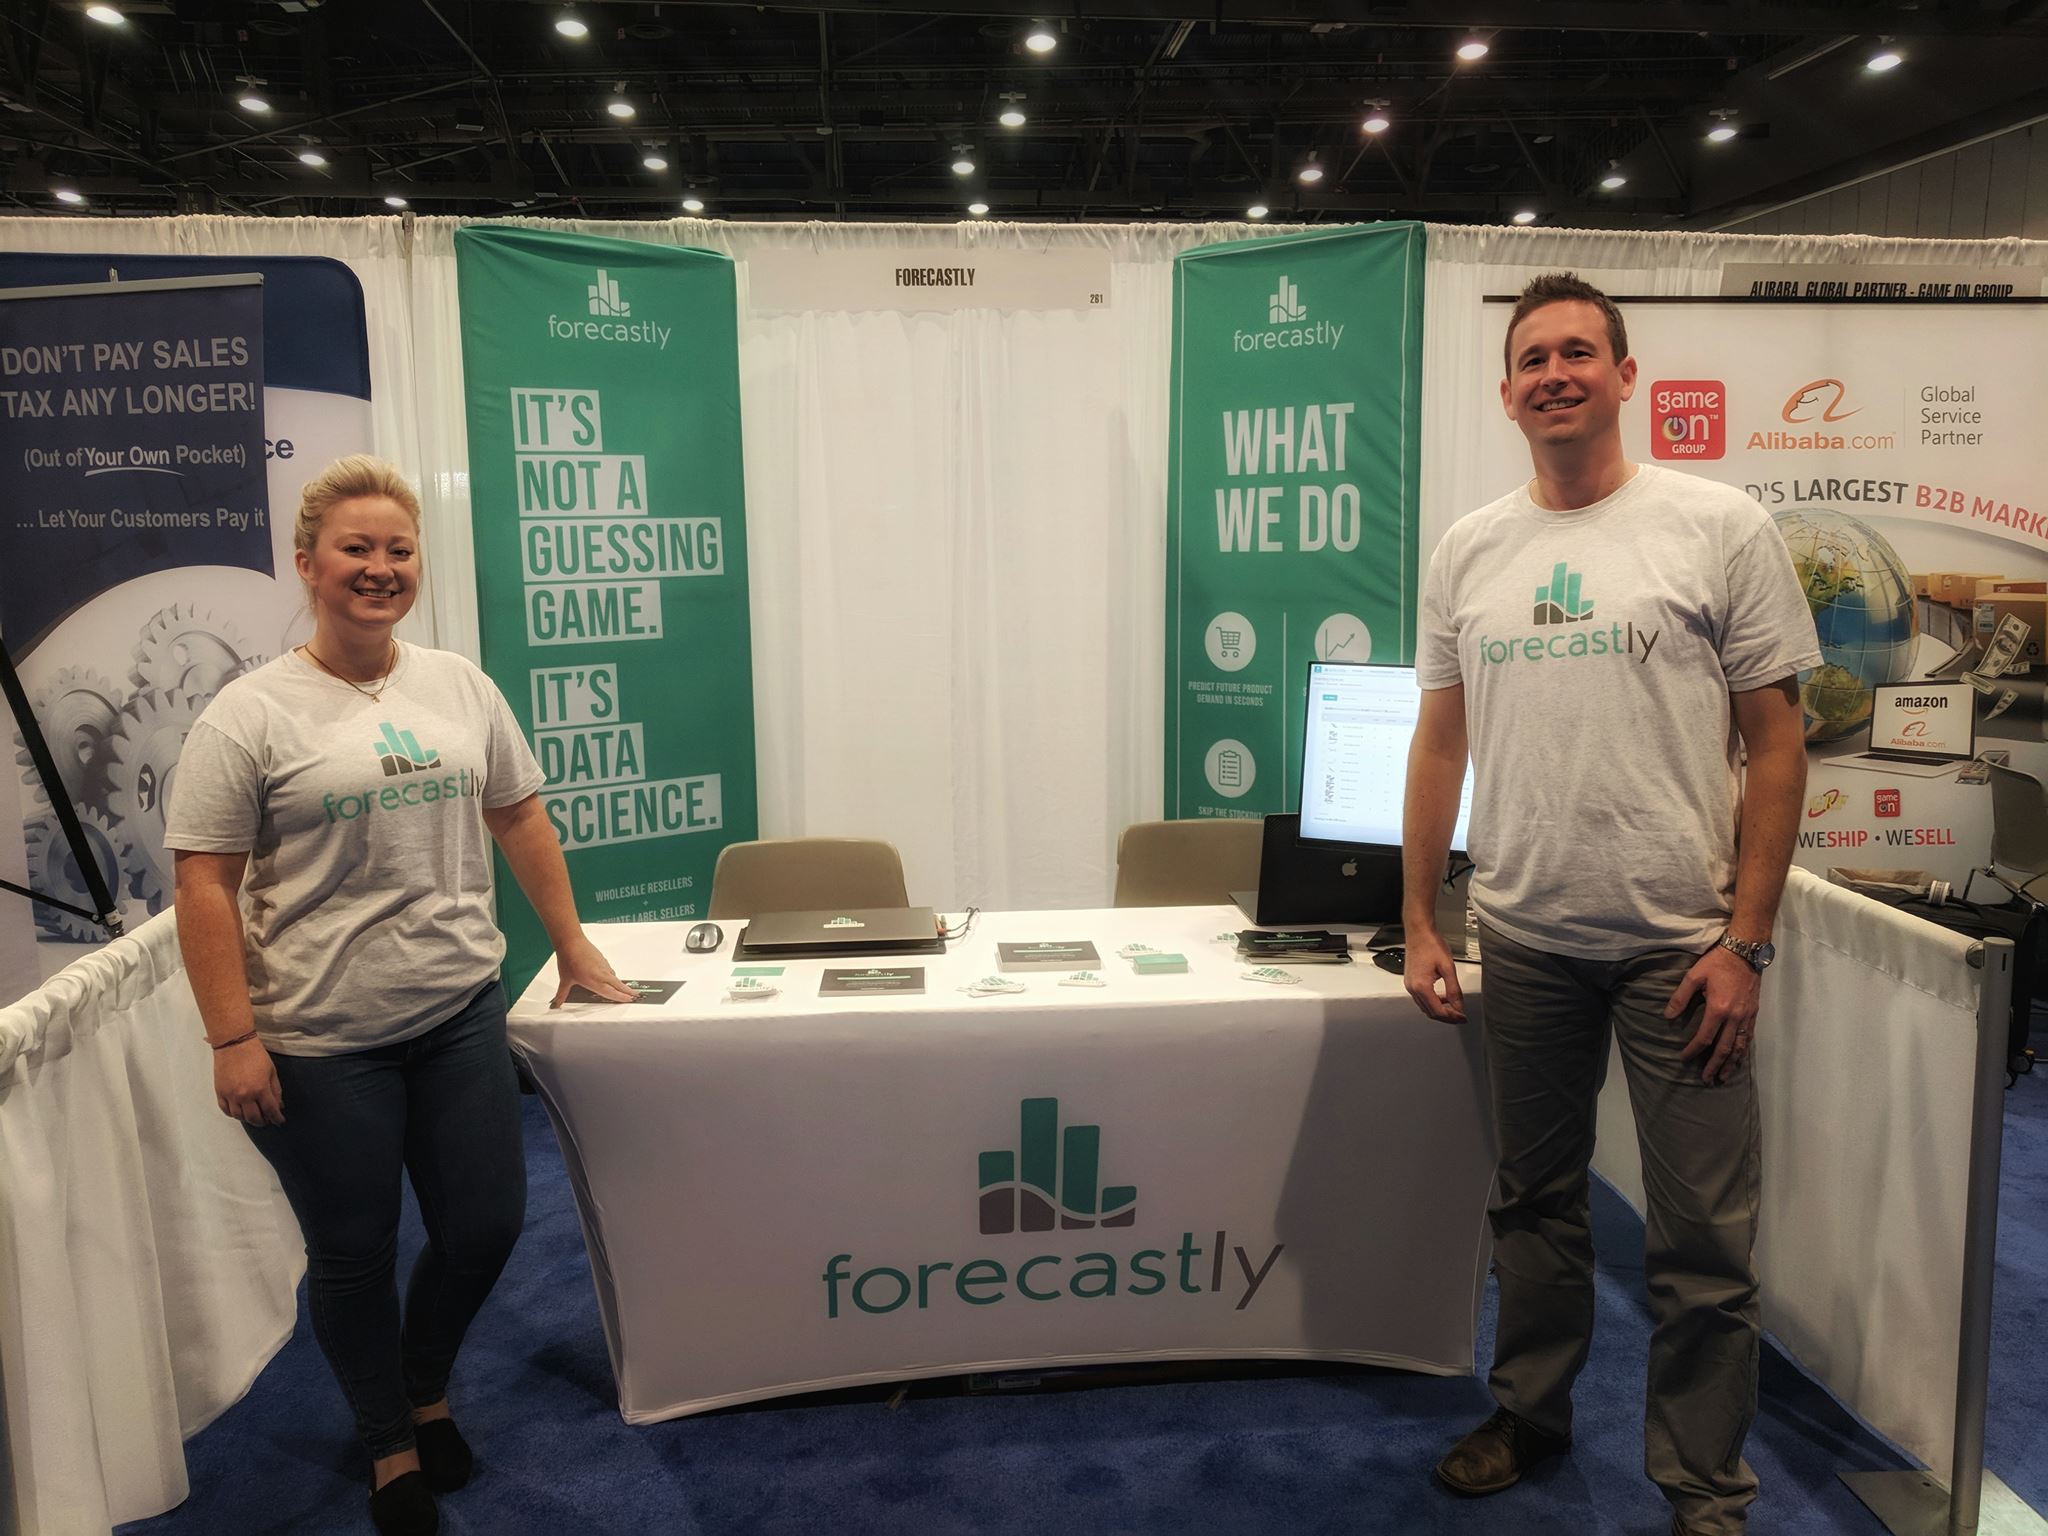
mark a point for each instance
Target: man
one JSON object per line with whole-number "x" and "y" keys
{"x": 1625, "y": 878}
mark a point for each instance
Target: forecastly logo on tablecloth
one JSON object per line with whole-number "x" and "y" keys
{"x": 1017, "y": 1188}
{"x": 1050, "y": 1182}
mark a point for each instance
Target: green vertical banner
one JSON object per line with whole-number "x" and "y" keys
{"x": 1292, "y": 498}
{"x": 609, "y": 508}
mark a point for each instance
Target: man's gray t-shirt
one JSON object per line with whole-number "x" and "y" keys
{"x": 366, "y": 910}
{"x": 1597, "y": 649}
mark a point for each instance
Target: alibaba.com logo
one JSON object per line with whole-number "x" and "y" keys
{"x": 1052, "y": 1173}
{"x": 1827, "y": 394}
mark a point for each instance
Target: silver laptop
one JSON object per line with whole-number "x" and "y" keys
{"x": 1919, "y": 730}
{"x": 844, "y": 931}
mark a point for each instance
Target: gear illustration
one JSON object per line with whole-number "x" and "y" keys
{"x": 53, "y": 870}
{"x": 79, "y": 713}
{"x": 140, "y": 769}
{"x": 141, "y": 866}
{"x": 189, "y": 650}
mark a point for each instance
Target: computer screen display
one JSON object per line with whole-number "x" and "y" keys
{"x": 1354, "y": 761}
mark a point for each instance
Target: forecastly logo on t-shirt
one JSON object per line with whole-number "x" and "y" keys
{"x": 1562, "y": 601}
{"x": 399, "y": 753}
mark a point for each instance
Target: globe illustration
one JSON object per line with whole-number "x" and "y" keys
{"x": 1862, "y": 602}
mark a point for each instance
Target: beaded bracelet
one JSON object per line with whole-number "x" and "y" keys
{"x": 247, "y": 1034}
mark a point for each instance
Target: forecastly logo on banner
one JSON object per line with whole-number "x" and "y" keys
{"x": 1051, "y": 1181}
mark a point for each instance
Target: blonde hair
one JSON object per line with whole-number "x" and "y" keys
{"x": 359, "y": 474}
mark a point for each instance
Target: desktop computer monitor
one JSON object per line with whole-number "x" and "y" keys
{"x": 1354, "y": 760}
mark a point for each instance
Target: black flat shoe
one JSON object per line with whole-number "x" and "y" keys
{"x": 405, "y": 1507}
{"x": 444, "y": 1455}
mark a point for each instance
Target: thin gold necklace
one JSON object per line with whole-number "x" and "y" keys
{"x": 389, "y": 671}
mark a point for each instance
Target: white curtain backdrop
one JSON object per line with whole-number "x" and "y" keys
{"x": 956, "y": 521}
{"x": 956, "y": 526}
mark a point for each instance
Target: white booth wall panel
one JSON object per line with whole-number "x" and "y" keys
{"x": 1865, "y": 1059}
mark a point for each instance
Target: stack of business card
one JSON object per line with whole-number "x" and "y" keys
{"x": 1293, "y": 946}
{"x": 1047, "y": 955}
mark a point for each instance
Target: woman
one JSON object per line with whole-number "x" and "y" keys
{"x": 334, "y": 906}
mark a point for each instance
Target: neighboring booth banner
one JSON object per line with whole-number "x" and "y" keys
{"x": 609, "y": 510}
{"x": 1898, "y": 448}
{"x": 1292, "y": 498}
{"x": 158, "y": 429}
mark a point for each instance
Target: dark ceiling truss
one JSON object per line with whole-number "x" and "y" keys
{"x": 1148, "y": 108}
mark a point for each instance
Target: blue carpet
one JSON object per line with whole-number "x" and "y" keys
{"x": 1259, "y": 1450}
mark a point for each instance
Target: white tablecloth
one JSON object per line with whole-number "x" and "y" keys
{"x": 148, "y": 1261}
{"x": 785, "y": 1195}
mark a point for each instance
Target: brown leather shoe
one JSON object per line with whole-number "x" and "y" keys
{"x": 1496, "y": 1454}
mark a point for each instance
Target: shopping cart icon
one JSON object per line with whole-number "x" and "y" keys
{"x": 1230, "y": 642}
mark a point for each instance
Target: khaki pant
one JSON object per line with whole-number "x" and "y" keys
{"x": 1547, "y": 1020}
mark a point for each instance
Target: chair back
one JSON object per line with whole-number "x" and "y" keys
{"x": 806, "y": 874}
{"x": 2019, "y": 820}
{"x": 1187, "y": 863}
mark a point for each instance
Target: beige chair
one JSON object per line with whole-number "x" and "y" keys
{"x": 1187, "y": 863}
{"x": 806, "y": 874}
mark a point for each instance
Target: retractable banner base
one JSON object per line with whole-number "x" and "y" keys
{"x": 1914, "y": 1504}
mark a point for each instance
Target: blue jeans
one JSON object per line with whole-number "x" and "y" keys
{"x": 444, "y": 1107}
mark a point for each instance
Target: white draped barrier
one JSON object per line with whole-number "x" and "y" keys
{"x": 1865, "y": 1055}
{"x": 148, "y": 1262}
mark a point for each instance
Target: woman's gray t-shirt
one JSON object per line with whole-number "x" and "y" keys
{"x": 366, "y": 910}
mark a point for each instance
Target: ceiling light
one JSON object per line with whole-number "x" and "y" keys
{"x": 977, "y": 209}
{"x": 653, "y": 162}
{"x": 106, "y": 15}
{"x": 1257, "y": 211}
{"x": 1473, "y": 49}
{"x": 1040, "y": 39}
{"x": 394, "y": 201}
{"x": 963, "y": 166}
{"x": 693, "y": 205}
{"x": 1378, "y": 123}
{"x": 66, "y": 195}
{"x": 570, "y": 25}
{"x": 1310, "y": 173}
{"x": 618, "y": 106}
{"x": 1721, "y": 133}
{"x": 312, "y": 157}
{"x": 1613, "y": 181}
{"x": 1526, "y": 216}
{"x": 1889, "y": 58}
{"x": 251, "y": 102}
{"x": 1010, "y": 117}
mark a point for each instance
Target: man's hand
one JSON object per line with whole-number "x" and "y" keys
{"x": 245, "y": 1084}
{"x": 1730, "y": 989}
{"x": 578, "y": 964}
{"x": 1429, "y": 962}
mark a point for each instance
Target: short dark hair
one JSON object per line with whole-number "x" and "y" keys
{"x": 1553, "y": 288}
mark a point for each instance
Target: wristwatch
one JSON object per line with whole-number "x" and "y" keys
{"x": 1756, "y": 953}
